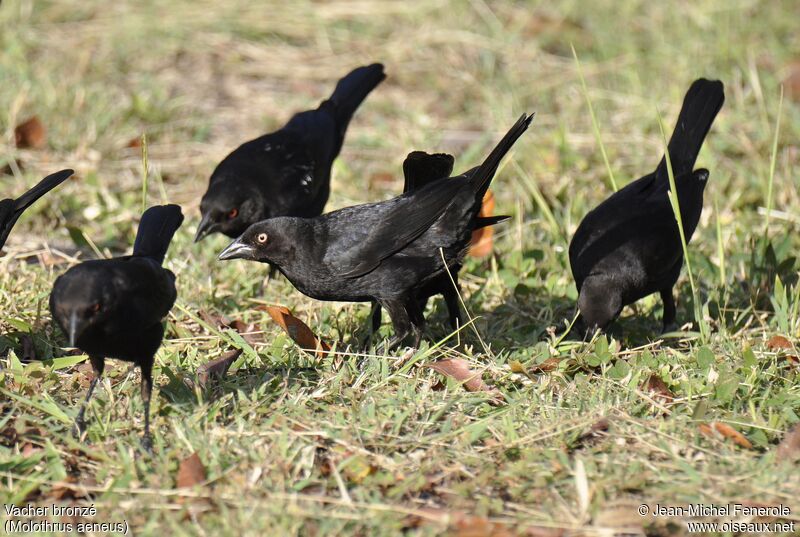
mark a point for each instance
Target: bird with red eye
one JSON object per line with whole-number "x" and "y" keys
{"x": 114, "y": 308}
{"x": 286, "y": 172}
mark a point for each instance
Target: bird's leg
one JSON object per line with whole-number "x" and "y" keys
{"x": 415, "y": 314}
{"x": 147, "y": 390}
{"x": 98, "y": 365}
{"x": 453, "y": 309}
{"x": 375, "y": 324}
{"x": 669, "y": 310}
{"x": 400, "y": 322}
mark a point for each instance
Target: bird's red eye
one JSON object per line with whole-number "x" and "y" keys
{"x": 233, "y": 213}
{"x": 262, "y": 238}
{"x": 95, "y": 308}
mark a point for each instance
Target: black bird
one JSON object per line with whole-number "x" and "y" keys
{"x": 383, "y": 252}
{"x": 419, "y": 169}
{"x": 114, "y": 308}
{"x": 629, "y": 246}
{"x": 12, "y": 209}
{"x": 287, "y": 172}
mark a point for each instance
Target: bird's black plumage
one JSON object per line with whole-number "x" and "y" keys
{"x": 12, "y": 209}
{"x": 419, "y": 169}
{"x": 383, "y": 252}
{"x": 114, "y": 308}
{"x": 629, "y": 246}
{"x": 286, "y": 172}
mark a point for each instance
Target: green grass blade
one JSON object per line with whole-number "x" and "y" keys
{"x": 595, "y": 124}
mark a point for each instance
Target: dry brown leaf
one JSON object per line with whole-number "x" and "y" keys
{"x": 459, "y": 370}
{"x": 791, "y": 83}
{"x": 481, "y": 241}
{"x": 191, "y": 472}
{"x": 218, "y": 368}
{"x": 551, "y": 364}
{"x": 789, "y": 448}
{"x": 298, "y": 331}
{"x": 726, "y": 431}
{"x": 30, "y": 134}
{"x": 659, "y": 389}
{"x": 381, "y": 179}
{"x": 779, "y": 342}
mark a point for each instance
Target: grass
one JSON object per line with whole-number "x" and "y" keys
{"x": 381, "y": 444}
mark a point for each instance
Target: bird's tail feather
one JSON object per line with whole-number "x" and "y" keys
{"x": 481, "y": 177}
{"x": 351, "y": 91}
{"x": 43, "y": 187}
{"x": 421, "y": 168}
{"x": 158, "y": 225}
{"x": 700, "y": 106}
{"x": 484, "y": 221}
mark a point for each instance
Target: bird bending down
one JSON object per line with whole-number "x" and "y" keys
{"x": 384, "y": 252}
{"x": 629, "y": 246}
{"x": 286, "y": 172}
{"x": 114, "y": 308}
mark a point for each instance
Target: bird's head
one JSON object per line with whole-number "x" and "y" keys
{"x": 83, "y": 297}
{"x": 228, "y": 209}
{"x": 264, "y": 241}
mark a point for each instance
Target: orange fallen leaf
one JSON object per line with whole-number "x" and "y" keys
{"x": 551, "y": 364}
{"x": 191, "y": 472}
{"x": 779, "y": 342}
{"x": 216, "y": 368}
{"x": 659, "y": 389}
{"x": 30, "y": 134}
{"x": 789, "y": 448}
{"x": 298, "y": 331}
{"x": 726, "y": 431}
{"x": 458, "y": 369}
{"x": 791, "y": 83}
{"x": 481, "y": 241}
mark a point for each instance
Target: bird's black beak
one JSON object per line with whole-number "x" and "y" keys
{"x": 206, "y": 227}
{"x": 237, "y": 250}
{"x": 76, "y": 327}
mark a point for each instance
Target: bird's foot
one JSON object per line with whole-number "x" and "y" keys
{"x": 671, "y": 327}
{"x": 147, "y": 443}
{"x": 79, "y": 427}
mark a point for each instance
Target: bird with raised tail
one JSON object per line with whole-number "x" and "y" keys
{"x": 629, "y": 246}
{"x": 286, "y": 172}
{"x": 114, "y": 308}
{"x": 384, "y": 252}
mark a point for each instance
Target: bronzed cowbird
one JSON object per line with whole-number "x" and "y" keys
{"x": 419, "y": 169}
{"x": 629, "y": 246}
{"x": 385, "y": 251}
{"x": 114, "y": 308}
{"x": 286, "y": 172}
{"x": 11, "y": 209}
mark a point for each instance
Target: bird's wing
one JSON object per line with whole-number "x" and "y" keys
{"x": 390, "y": 228}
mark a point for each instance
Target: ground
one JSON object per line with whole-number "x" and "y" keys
{"x": 381, "y": 444}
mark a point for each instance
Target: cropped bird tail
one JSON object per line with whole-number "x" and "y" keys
{"x": 421, "y": 168}
{"x": 485, "y": 221}
{"x": 350, "y": 92}
{"x": 700, "y": 106}
{"x": 481, "y": 177}
{"x": 159, "y": 223}
{"x": 43, "y": 187}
